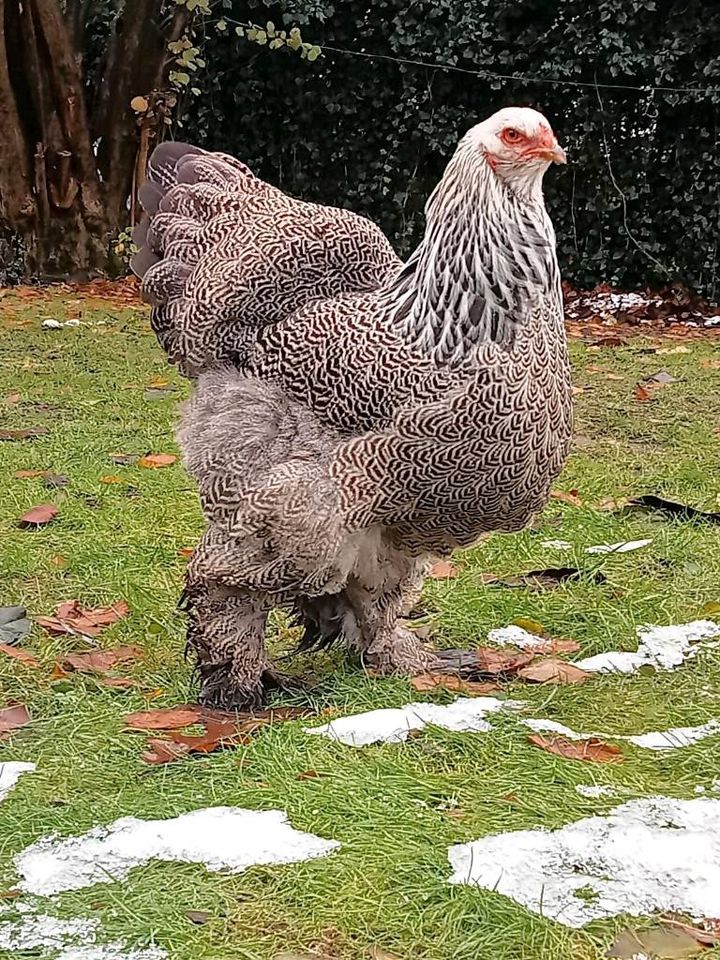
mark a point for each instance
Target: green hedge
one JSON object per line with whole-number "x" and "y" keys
{"x": 375, "y": 134}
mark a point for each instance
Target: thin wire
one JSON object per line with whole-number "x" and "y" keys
{"x": 489, "y": 74}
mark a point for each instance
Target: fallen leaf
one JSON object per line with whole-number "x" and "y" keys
{"x": 14, "y": 625}
{"x": 40, "y": 515}
{"x": 111, "y": 479}
{"x": 710, "y": 364}
{"x": 186, "y": 552}
{"x": 592, "y": 750}
{"x": 117, "y": 683}
{"x": 430, "y": 682}
{"x": 153, "y": 461}
{"x": 662, "y": 378}
{"x": 708, "y": 936}
{"x": 443, "y": 570}
{"x": 178, "y": 745}
{"x": 670, "y": 943}
{"x": 12, "y": 717}
{"x": 58, "y": 561}
{"x": 198, "y": 916}
{"x": 553, "y": 671}
{"x": 13, "y": 398}
{"x": 641, "y": 394}
{"x": 71, "y": 617}
{"x": 493, "y": 662}
{"x": 159, "y": 383}
{"x": 29, "y": 433}
{"x": 55, "y": 481}
{"x": 711, "y": 609}
{"x": 377, "y": 953}
{"x": 99, "y": 661}
{"x": 532, "y": 626}
{"x": 23, "y": 656}
{"x": 577, "y": 391}
{"x": 679, "y": 511}
{"x": 572, "y": 497}
{"x": 28, "y": 474}
{"x": 167, "y": 718}
{"x": 58, "y": 673}
{"x": 547, "y": 578}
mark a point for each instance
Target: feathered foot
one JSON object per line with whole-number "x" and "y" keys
{"x": 226, "y": 634}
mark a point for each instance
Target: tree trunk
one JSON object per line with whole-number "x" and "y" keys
{"x": 50, "y": 188}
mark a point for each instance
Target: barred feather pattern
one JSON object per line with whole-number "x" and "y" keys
{"x": 352, "y": 416}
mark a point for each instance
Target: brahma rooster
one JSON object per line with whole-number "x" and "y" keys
{"x": 353, "y": 417}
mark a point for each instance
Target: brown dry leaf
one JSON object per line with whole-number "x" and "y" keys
{"x": 40, "y": 515}
{"x": 153, "y": 461}
{"x": 12, "y": 717}
{"x": 443, "y": 570}
{"x": 58, "y": 673}
{"x": 59, "y": 561}
{"x": 431, "y": 682}
{"x": 592, "y": 750}
{"x": 498, "y": 662}
{"x": 186, "y": 552}
{"x": 641, "y": 394}
{"x": 572, "y": 497}
{"x": 165, "y": 718}
{"x": 71, "y": 618}
{"x": 216, "y": 735}
{"x": 668, "y": 942}
{"x": 99, "y": 661}
{"x": 577, "y": 391}
{"x": 28, "y": 474}
{"x": 117, "y": 683}
{"x": 710, "y": 364}
{"x": 23, "y": 656}
{"x": 28, "y": 433}
{"x": 163, "y": 751}
{"x": 13, "y": 398}
{"x": 553, "y": 671}
{"x": 111, "y": 479}
{"x": 708, "y": 936}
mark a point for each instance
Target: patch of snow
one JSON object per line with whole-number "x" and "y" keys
{"x": 221, "y": 838}
{"x": 624, "y": 546}
{"x": 664, "y": 648}
{"x": 557, "y": 545}
{"x": 670, "y": 739}
{"x": 514, "y": 636}
{"x": 74, "y": 939}
{"x": 675, "y": 737}
{"x": 595, "y": 790}
{"x": 10, "y": 773}
{"x": 648, "y": 855}
{"x": 464, "y": 715}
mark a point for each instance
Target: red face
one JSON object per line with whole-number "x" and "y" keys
{"x": 540, "y": 145}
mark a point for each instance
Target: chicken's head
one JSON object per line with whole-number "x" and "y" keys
{"x": 518, "y": 144}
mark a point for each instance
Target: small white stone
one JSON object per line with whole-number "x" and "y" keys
{"x": 52, "y": 324}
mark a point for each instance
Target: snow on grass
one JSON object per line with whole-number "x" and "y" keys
{"x": 464, "y": 715}
{"x": 221, "y": 838}
{"x": 657, "y": 853}
{"x": 670, "y": 739}
{"x": 513, "y": 636}
{"x": 664, "y": 648}
{"x": 10, "y": 773}
{"x": 46, "y": 936}
{"x": 624, "y": 546}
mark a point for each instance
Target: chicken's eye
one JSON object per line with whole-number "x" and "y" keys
{"x": 511, "y": 135}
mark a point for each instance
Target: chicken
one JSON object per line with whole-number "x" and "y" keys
{"x": 354, "y": 417}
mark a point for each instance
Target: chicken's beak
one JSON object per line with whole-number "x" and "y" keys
{"x": 555, "y": 154}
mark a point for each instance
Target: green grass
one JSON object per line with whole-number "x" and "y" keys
{"x": 388, "y": 805}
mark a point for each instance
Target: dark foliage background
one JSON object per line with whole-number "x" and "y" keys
{"x": 639, "y": 203}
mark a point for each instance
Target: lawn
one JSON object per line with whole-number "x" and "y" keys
{"x": 395, "y": 808}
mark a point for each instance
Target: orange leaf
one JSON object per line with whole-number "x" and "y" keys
{"x": 186, "y": 552}
{"x": 553, "y": 671}
{"x": 158, "y": 383}
{"x": 71, "y": 618}
{"x": 58, "y": 561}
{"x": 495, "y": 662}
{"x": 99, "y": 661}
{"x": 13, "y": 716}
{"x": 153, "y": 461}
{"x": 22, "y": 655}
{"x": 111, "y": 479}
{"x": 572, "y": 497}
{"x": 39, "y": 516}
{"x": 710, "y": 364}
{"x": 27, "y": 474}
{"x": 443, "y": 570}
{"x": 641, "y": 394}
{"x": 165, "y": 718}
{"x": 430, "y": 682}
{"x": 592, "y": 750}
